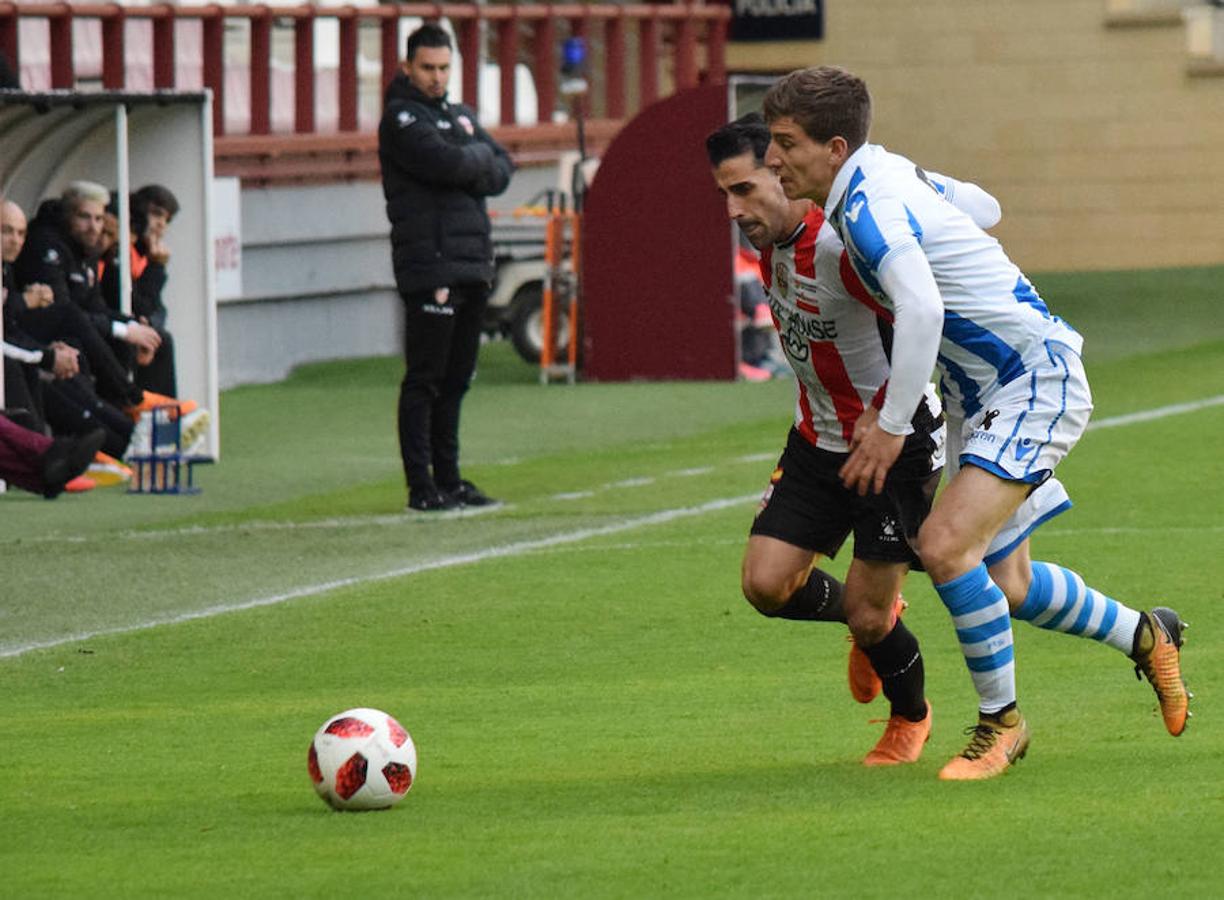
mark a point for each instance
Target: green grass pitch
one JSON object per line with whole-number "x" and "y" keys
{"x": 597, "y": 711}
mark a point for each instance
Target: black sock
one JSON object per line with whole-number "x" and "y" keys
{"x": 898, "y": 662}
{"x": 819, "y": 600}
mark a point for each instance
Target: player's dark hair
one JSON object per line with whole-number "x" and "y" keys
{"x": 825, "y": 101}
{"x": 154, "y": 195}
{"x": 428, "y": 35}
{"x": 747, "y": 134}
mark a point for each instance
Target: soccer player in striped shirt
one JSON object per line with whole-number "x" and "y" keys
{"x": 835, "y": 338}
{"x": 1015, "y": 392}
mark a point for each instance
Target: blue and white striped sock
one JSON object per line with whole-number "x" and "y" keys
{"x": 983, "y": 626}
{"x": 1058, "y": 600}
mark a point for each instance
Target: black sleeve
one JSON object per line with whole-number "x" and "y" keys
{"x": 418, "y": 147}
{"x": 498, "y": 174}
{"x": 42, "y": 262}
{"x": 146, "y": 295}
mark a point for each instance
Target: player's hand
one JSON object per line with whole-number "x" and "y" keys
{"x": 863, "y": 425}
{"x": 870, "y": 461}
{"x": 146, "y": 340}
{"x": 67, "y": 360}
{"x": 37, "y": 296}
{"x": 158, "y": 251}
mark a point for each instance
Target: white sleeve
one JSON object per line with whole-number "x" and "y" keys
{"x": 978, "y": 204}
{"x": 119, "y": 330}
{"x": 21, "y": 354}
{"x": 905, "y": 275}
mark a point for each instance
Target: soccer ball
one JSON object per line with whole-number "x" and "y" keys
{"x": 362, "y": 759}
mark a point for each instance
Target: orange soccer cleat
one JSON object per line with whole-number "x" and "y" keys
{"x": 997, "y": 742}
{"x": 150, "y": 401}
{"x": 902, "y": 741}
{"x": 865, "y": 684}
{"x": 1161, "y": 663}
{"x": 80, "y": 485}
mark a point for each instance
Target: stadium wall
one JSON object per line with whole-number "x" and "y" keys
{"x": 316, "y": 277}
{"x": 1102, "y": 145}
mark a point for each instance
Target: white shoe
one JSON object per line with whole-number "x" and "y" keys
{"x": 193, "y": 432}
{"x": 141, "y": 443}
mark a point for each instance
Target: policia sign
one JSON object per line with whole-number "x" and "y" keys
{"x": 777, "y": 20}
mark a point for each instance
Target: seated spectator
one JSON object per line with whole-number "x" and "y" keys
{"x": 69, "y": 403}
{"x": 60, "y": 252}
{"x": 152, "y": 208}
{"x": 25, "y": 357}
{"x": 38, "y": 464}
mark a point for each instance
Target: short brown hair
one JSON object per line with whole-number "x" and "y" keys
{"x": 825, "y": 101}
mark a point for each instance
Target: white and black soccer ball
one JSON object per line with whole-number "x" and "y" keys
{"x": 362, "y": 759}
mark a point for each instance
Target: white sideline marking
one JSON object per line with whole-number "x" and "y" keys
{"x": 514, "y": 549}
{"x": 518, "y": 548}
{"x": 639, "y": 545}
{"x": 408, "y": 517}
{"x": 1130, "y": 529}
{"x": 640, "y": 481}
{"x": 758, "y": 457}
{"x": 1159, "y": 412}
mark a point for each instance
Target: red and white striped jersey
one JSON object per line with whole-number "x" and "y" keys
{"x": 834, "y": 333}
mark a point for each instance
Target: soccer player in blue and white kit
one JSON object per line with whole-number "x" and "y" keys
{"x": 1015, "y": 394}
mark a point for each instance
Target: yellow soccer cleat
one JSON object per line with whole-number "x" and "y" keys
{"x": 1161, "y": 663}
{"x": 902, "y": 741}
{"x": 106, "y": 471}
{"x": 996, "y": 744}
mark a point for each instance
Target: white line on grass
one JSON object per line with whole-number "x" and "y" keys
{"x": 518, "y": 548}
{"x": 757, "y": 457}
{"x": 1159, "y": 412}
{"x": 640, "y": 545}
{"x": 1128, "y": 529}
{"x": 515, "y": 549}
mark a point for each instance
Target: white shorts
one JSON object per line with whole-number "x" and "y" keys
{"x": 1024, "y": 429}
{"x": 1022, "y": 432}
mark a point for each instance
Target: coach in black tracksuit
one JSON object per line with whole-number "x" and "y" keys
{"x": 438, "y": 166}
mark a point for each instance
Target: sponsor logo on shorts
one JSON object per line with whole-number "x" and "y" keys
{"x": 990, "y": 416}
{"x": 765, "y": 498}
{"x": 768, "y": 494}
{"x": 890, "y": 530}
{"x": 1025, "y": 447}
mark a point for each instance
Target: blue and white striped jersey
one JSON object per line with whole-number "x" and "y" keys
{"x": 994, "y": 322}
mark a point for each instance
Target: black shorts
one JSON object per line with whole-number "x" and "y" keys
{"x": 807, "y": 506}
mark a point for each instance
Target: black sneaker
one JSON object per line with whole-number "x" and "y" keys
{"x": 431, "y": 500}
{"x": 67, "y": 458}
{"x": 467, "y": 494}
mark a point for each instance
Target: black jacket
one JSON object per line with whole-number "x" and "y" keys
{"x": 146, "y": 288}
{"x": 52, "y": 258}
{"x": 14, "y": 334}
{"x": 438, "y": 165}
